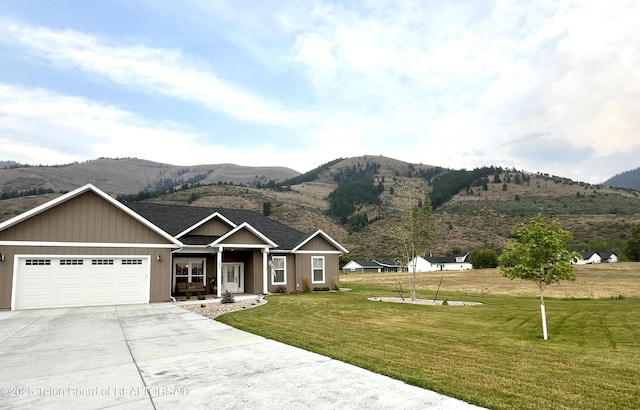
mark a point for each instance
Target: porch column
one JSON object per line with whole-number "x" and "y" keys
{"x": 265, "y": 271}
{"x": 219, "y": 271}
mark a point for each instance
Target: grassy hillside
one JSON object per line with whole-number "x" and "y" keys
{"x": 131, "y": 175}
{"x": 470, "y": 220}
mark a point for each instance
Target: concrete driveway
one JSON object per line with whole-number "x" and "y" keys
{"x": 160, "y": 356}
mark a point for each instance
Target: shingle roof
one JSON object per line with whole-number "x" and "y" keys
{"x": 606, "y": 255}
{"x": 198, "y": 239}
{"x": 366, "y": 264}
{"x": 447, "y": 259}
{"x": 587, "y": 254}
{"x": 386, "y": 262}
{"x": 175, "y": 219}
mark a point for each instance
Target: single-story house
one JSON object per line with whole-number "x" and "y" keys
{"x": 372, "y": 266}
{"x": 388, "y": 265}
{"x": 587, "y": 258}
{"x": 85, "y": 248}
{"x": 432, "y": 263}
{"x": 609, "y": 257}
{"x": 361, "y": 266}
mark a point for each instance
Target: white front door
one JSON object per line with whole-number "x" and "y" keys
{"x": 233, "y": 277}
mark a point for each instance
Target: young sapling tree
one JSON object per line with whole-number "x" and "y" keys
{"x": 538, "y": 253}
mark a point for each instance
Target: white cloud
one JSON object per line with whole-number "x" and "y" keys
{"x": 42, "y": 127}
{"x": 37, "y": 123}
{"x": 147, "y": 69}
{"x": 441, "y": 83}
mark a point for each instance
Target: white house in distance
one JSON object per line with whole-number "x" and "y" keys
{"x": 372, "y": 266}
{"x": 361, "y": 266}
{"x": 590, "y": 258}
{"x": 440, "y": 263}
{"x": 609, "y": 257}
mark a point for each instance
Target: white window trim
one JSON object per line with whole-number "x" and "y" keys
{"x": 324, "y": 273}
{"x": 189, "y": 276}
{"x": 273, "y": 277}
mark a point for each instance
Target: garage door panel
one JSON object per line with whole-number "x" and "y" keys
{"x": 80, "y": 281}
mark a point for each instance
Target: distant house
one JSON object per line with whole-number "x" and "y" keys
{"x": 432, "y": 263}
{"x": 587, "y": 258}
{"x": 371, "y": 266}
{"x": 388, "y": 265}
{"x": 361, "y": 266}
{"x": 609, "y": 257}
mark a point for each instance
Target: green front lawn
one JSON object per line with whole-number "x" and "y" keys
{"x": 491, "y": 355}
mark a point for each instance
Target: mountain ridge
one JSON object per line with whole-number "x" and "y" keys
{"x": 130, "y": 175}
{"x": 474, "y": 217}
{"x": 628, "y": 179}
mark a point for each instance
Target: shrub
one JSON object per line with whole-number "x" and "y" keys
{"x": 201, "y": 296}
{"x": 187, "y": 295}
{"x": 227, "y": 297}
{"x": 305, "y": 284}
{"x": 281, "y": 289}
{"x": 484, "y": 259}
{"x": 336, "y": 283}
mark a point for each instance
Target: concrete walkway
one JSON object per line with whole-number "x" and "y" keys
{"x": 160, "y": 356}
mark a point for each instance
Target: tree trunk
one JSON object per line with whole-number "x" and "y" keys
{"x": 543, "y": 312}
{"x": 413, "y": 279}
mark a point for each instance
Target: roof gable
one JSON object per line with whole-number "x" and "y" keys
{"x": 208, "y": 226}
{"x": 319, "y": 233}
{"x": 186, "y": 220}
{"x": 77, "y": 193}
{"x": 262, "y": 239}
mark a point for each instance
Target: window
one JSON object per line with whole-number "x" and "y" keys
{"x": 68, "y": 262}
{"x": 317, "y": 266}
{"x": 279, "y": 270}
{"x": 102, "y": 261}
{"x": 188, "y": 270}
{"x": 132, "y": 261}
{"x": 38, "y": 262}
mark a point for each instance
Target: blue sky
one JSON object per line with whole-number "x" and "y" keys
{"x": 548, "y": 86}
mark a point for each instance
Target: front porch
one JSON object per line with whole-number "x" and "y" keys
{"x": 210, "y": 274}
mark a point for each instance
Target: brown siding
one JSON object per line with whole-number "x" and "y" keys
{"x": 212, "y": 269}
{"x": 303, "y": 269}
{"x": 160, "y": 282}
{"x": 291, "y": 275}
{"x": 85, "y": 218}
{"x": 318, "y": 243}
{"x": 253, "y": 273}
{"x": 213, "y": 227}
{"x": 332, "y": 272}
{"x": 245, "y": 237}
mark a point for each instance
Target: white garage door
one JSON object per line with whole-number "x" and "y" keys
{"x": 71, "y": 281}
